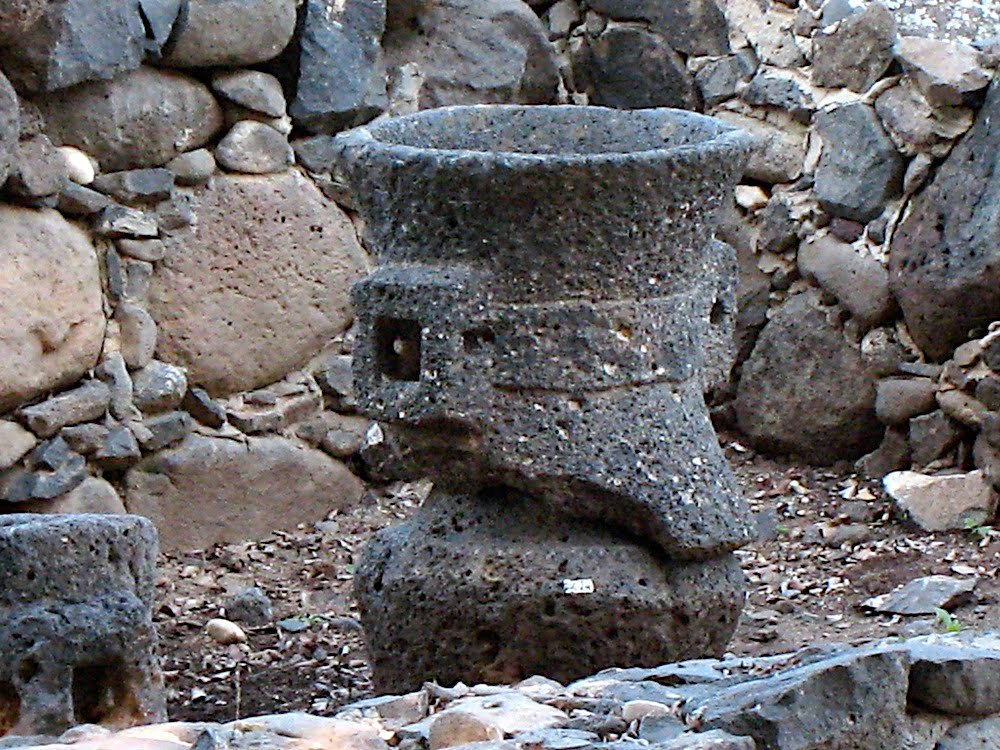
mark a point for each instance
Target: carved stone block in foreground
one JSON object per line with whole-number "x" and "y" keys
{"x": 549, "y": 303}
{"x": 77, "y": 644}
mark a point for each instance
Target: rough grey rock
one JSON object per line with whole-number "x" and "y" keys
{"x": 859, "y": 283}
{"x": 77, "y": 200}
{"x": 253, "y": 89}
{"x": 121, "y": 221}
{"x": 37, "y": 172}
{"x": 84, "y": 438}
{"x": 164, "y": 429}
{"x": 251, "y": 606}
{"x": 631, "y": 68}
{"x": 202, "y": 407}
{"x": 150, "y": 250}
{"x": 75, "y": 41}
{"x": 805, "y": 389}
{"x": 138, "y": 334}
{"x": 915, "y": 126}
{"x": 856, "y": 52}
{"x": 692, "y": 27}
{"x": 241, "y": 489}
{"x": 193, "y": 168}
{"x": 713, "y": 739}
{"x": 942, "y": 260}
{"x": 767, "y": 26}
{"x": 254, "y": 148}
{"x": 718, "y": 80}
{"x": 585, "y": 344}
{"x": 946, "y": 72}
{"x": 772, "y": 87}
{"x": 82, "y": 404}
{"x": 474, "y": 51}
{"x": 942, "y": 502}
{"x": 957, "y": 674}
{"x": 50, "y": 470}
{"x": 268, "y": 255}
{"x": 923, "y": 596}
{"x": 15, "y": 442}
{"x": 92, "y": 495}
{"x": 230, "y": 33}
{"x": 118, "y": 449}
{"x": 860, "y": 169}
{"x": 850, "y": 700}
{"x": 976, "y": 735}
{"x": 141, "y": 119}
{"x": 342, "y": 75}
{"x": 77, "y": 631}
{"x": 136, "y": 186}
{"x": 158, "y": 387}
{"x": 113, "y": 371}
{"x": 10, "y": 126}
{"x": 779, "y": 151}
{"x": 932, "y": 436}
{"x": 892, "y": 454}
{"x": 899, "y": 399}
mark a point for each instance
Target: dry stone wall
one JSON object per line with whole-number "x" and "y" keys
{"x": 177, "y": 245}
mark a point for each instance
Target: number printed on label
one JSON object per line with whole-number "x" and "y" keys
{"x": 578, "y": 585}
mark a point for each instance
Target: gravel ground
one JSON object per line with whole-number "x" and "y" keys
{"x": 830, "y": 542}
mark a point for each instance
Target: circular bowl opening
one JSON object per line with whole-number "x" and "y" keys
{"x": 560, "y": 132}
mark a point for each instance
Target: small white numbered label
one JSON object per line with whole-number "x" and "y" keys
{"x": 578, "y": 585}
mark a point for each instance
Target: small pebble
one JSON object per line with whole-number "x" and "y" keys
{"x": 225, "y": 632}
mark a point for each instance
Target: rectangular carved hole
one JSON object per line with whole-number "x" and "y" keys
{"x": 100, "y": 691}
{"x": 397, "y": 348}
{"x": 10, "y": 707}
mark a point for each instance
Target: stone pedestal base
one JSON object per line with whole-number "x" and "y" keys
{"x": 77, "y": 644}
{"x": 495, "y": 588}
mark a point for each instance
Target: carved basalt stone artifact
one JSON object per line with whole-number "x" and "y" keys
{"x": 77, "y": 644}
{"x": 549, "y": 304}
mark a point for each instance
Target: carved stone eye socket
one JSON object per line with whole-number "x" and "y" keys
{"x": 397, "y": 348}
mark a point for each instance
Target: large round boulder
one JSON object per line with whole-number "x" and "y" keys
{"x": 805, "y": 389}
{"x": 258, "y": 284}
{"x": 51, "y": 318}
{"x": 944, "y": 262}
{"x": 231, "y": 32}
{"x": 472, "y": 52}
{"x": 141, "y": 119}
{"x": 209, "y": 490}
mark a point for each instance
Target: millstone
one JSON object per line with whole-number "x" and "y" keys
{"x": 549, "y": 304}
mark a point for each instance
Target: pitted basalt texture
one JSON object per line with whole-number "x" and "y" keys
{"x": 549, "y": 307}
{"x": 76, "y": 633}
{"x": 505, "y": 563}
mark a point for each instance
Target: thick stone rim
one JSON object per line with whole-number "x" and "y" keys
{"x": 722, "y": 141}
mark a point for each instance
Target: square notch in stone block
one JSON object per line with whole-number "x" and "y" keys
{"x": 102, "y": 695}
{"x": 397, "y": 348}
{"x": 10, "y": 707}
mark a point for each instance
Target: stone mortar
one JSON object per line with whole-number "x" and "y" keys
{"x": 538, "y": 328}
{"x": 76, "y": 632}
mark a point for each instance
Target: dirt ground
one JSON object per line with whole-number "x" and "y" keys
{"x": 830, "y": 543}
